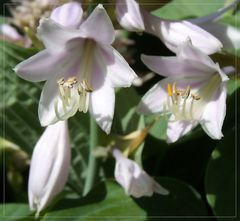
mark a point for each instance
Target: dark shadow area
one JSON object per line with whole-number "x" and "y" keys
{"x": 96, "y": 195}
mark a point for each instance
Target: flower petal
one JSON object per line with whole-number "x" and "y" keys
{"x": 119, "y": 73}
{"x": 68, "y": 15}
{"x": 49, "y": 166}
{"x": 174, "y": 33}
{"x": 129, "y": 15}
{"x": 214, "y": 114}
{"x": 102, "y": 99}
{"x": 10, "y": 32}
{"x": 54, "y": 35}
{"x": 98, "y": 26}
{"x": 175, "y": 66}
{"x": 41, "y": 66}
{"x": 188, "y": 51}
{"x": 228, "y": 35}
{"x": 51, "y": 109}
{"x": 177, "y": 129}
{"x": 133, "y": 179}
{"x": 154, "y": 101}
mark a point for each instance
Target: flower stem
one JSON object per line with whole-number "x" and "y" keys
{"x": 92, "y": 162}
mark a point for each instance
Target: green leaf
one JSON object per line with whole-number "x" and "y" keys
{"x": 103, "y": 203}
{"x": 233, "y": 85}
{"x": 126, "y": 118}
{"x": 220, "y": 180}
{"x": 185, "y": 9}
{"x": 159, "y": 129}
{"x": 10, "y": 56}
{"x": 15, "y": 212}
{"x": 110, "y": 202}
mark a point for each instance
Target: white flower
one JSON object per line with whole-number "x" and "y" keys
{"x": 49, "y": 166}
{"x": 193, "y": 92}
{"x": 134, "y": 18}
{"x": 133, "y": 179}
{"x": 10, "y": 32}
{"x": 80, "y": 67}
{"x": 227, "y": 34}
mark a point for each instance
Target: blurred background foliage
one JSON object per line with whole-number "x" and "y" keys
{"x": 200, "y": 173}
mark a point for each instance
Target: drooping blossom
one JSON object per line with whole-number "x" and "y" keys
{"x": 193, "y": 93}
{"x": 133, "y": 17}
{"x": 49, "y": 166}
{"x": 79, "y": 65}
{"x": 135, "y": 181}
{"x": 227, "y": 34}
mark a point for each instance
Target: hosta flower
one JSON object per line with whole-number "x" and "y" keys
{"x": 194, "y": 92}
{"x": 49, "y": 166}
{"x": 134, "y": 18}
{"x": 10, "y": 32}
{"x": 80, "y": 67}
{"x": 227, "y": 34}
{"x": 135, "y": 181}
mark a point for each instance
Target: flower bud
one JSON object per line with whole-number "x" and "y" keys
{"x": 133, "y": 179}
{"x": 49, "y": 166}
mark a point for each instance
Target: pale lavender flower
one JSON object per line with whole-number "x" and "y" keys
{"x": 135, "y": 181}
{"x": 10, "y": 32}
{"x": 194, "y": 92}
{"x": 80, "y": 66}
{"x": 227, "y": 34}
{"x": 49, "y": 166}
{"x": 134, "y": 18}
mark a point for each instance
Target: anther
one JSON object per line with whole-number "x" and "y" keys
{"x": 195, "y": 97}
{"x": 61, "y": 81}
{"x": 169, "y": 90}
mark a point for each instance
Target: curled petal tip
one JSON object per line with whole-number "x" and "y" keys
{"x": 100, "y": 6}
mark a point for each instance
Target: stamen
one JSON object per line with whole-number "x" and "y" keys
{"x": 175, "y": 88}
{"x": 169, "y": 90}
{"x": 179, "y": 106}
{"x": 83, "y": 91}
{"x": 56, "y": 110}
{"x": 195, "y": 97}
{"x": 186, "y": 93}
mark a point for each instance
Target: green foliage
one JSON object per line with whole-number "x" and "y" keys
{"x": 108, "y": 201}
{"x": 15, "y": 212}
{"x": 221, "y": 177}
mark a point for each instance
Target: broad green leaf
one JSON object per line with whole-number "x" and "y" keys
{"x": 233, "y": 85}
{"x": 110, "y": 202}
{"x": 159, "y": 128}
{"x": 125, "y": 111}
{"x": 10, "y": 55}
{"x": 185, "y": 9}
{"x": 15, "y": 212}
{"x": 221, "y": 177}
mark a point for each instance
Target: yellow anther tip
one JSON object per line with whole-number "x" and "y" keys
{"x": 169, "y": 90}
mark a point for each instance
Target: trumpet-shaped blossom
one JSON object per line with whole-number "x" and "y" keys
{"x": 194, "y": 92}
{"x": 49, "y": 166}
{"x": 133, "y": 179}
{"x": 79, "y": 65}
{"x": 134, "y": 18}
{"x": 228, "y": 35}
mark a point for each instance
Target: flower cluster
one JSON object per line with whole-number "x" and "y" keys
{"x": 82, "y": 70}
